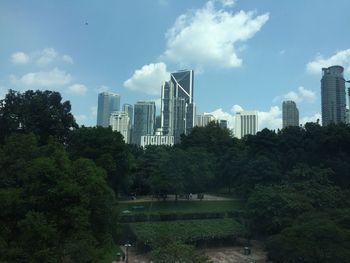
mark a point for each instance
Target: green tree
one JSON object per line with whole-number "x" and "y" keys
{"x": 177, "y": 252}
{"x": 40, "y": 112}
{"x": 312, "y": 239}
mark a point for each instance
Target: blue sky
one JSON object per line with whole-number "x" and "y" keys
{"x": 248, "y": 54}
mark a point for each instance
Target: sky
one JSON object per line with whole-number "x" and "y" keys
{"x": 246, "y": 54}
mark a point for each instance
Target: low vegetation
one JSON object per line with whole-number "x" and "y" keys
{"x": 189, "y": 231}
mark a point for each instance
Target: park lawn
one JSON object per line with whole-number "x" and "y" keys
{"x": 186, "y": 230}
{"x": 180, "y": 207}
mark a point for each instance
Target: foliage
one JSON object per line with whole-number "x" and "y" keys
{"x": 176, "y": 252}
{"x": 313, "y": 238}
{"x": 52, "y": 208}
{"x": 186, "y": 231}
{"x": 39, "y": 112}
{"x": 106, "y": 148}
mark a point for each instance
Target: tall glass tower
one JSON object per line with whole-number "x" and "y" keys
{"x": 144, "y": 119}
{"x": 333, "y": 95}
{"x": 178, "y": 108}
{"x": 290, "y": 114}
{"x": 108, "y": 102}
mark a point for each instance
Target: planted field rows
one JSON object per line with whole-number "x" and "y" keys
{"x": 187, "y": 230}
{"x": 164, "y": 211}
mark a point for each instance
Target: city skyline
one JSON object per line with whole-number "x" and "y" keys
{"x": 250, "y": 60}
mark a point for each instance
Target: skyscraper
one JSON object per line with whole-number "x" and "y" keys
{"x": 107, "y": 103}
{"x": 246, "y": 123}
{"x": 223, "y": 124}
{"x": 119, "y": 121}
{"x": 333, "y": 95}
{"x": 290, "y": 114}
{"x": 204, "y": 119}
{"x": 144, "y": 119}
{"x": 128, "y": 108}
{"x": 178, "y": 108}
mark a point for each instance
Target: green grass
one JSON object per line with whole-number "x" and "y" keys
{"x": 181, "y": 207}
{"x": 186, "y": 230}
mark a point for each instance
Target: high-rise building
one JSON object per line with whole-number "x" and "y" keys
{"x": 107, "y": 103}
{"x": 290, "y": 114}
{"x": 223, "y": 124}
{"x": 204, "y": 119}
{"x": 246, "y": 123}
{"x": 129, "y": 109}
{"x": 119, "y": 121}
{"x": 333, "y": 95}
{"x": 144, "y": 120}
{"x": 178, "y": 109}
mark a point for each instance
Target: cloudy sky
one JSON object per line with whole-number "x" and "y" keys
{"x": 247, "y": 54}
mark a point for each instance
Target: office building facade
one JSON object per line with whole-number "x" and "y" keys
{"x": 177, "y": 105}
{"x": 157, "y": 140}
{"x": 144, "y": 120}
{"x": 119, "y": 121}
{"x": 333, "y": 101}
{"x": 204, "y": 119}
{"x": 246, "y": 122}
{"x": 223, "y": 124}
{"x": 108, "y": 102}
{"x": 290, "y": 114}
{"x": 129, "y": 109}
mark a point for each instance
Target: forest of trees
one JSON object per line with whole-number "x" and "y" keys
{"x": 59, "y": 182}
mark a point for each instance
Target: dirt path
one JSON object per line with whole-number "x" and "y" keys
{"x": 172, "y": 198}
{"x": 217, "y": 255}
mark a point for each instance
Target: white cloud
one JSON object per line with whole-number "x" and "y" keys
{"x": 55, "y": 77}
{"x": 42, "y": 57}
{"x": 220, "y": 114}
{"x": 209, "y": 36}
{"x": 3, "y": 92}
{"x": 341, "y": 58}
{"x": 93, "y": 111}
{"x": 67, "y": 58}
{"x": 46, "y": 56}
{"x": 77, "y": 89}
{"x": 19, "y": 58}
{"x": 300, "y": 95}
{"x": 236, "y": 108}
{"x": 271, "y": 119}
{"x": 103, "y": 88}
{"x": 148, "y": 79}
{"x": 80, "y": 118}
{"x": 313, "y": 118}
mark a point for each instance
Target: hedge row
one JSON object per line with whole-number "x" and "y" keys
{"x": 189, "y": 231}
{"x": 143, "y": 217}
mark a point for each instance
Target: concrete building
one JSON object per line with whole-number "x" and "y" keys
{"x": 157, "y": 140}
{"x": 108, "y": 102}
{"x": 246, "y": 123}
{"x": 333, "y": 95}
{"x": 177, "y": 106}
{"x": 119, "y": 121}
{"x": 223, "y": 124}
{"x": 290, "y": 114}
{"x": 204, "y": 119}
{"x": 129, "y": 109}
{"x": 144, "y": 120}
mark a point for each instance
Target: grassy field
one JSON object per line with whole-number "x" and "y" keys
{"x": 186, "y": 230}
{"x": 180, "y": 207}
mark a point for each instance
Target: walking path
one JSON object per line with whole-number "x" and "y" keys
{"x": 216, "y": 255}
{"x": 172, "y": 198}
